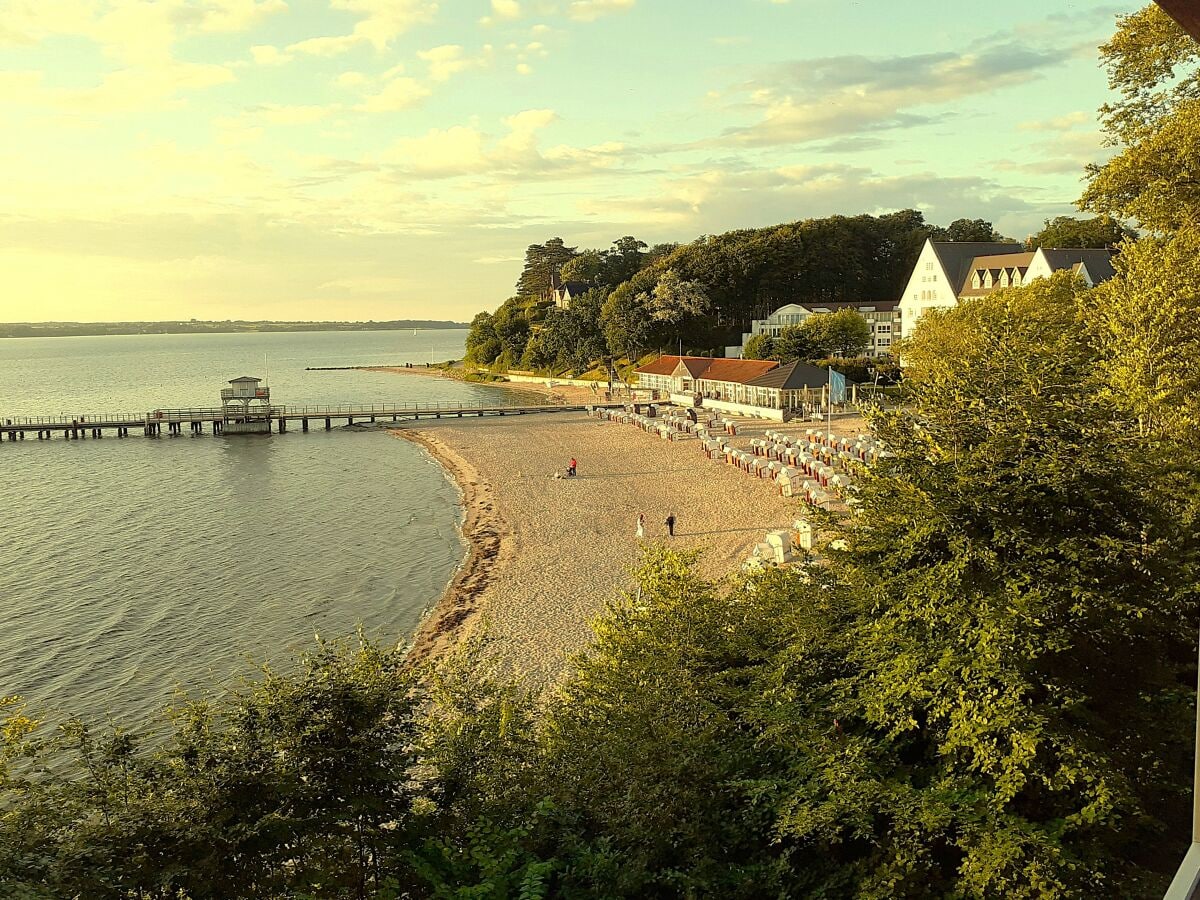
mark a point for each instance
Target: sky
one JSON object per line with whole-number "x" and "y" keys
{"x": 388, "y": 159}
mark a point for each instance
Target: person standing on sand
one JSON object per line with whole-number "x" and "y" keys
{"x": 641, "y": 526}
{"x": 571, "y": 468}
{"x": 670, "y": 523}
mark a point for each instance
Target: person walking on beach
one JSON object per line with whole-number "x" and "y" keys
{"x": 670, "y": 523}
{"x": 571, "y": 468}
{"x": 641, "y": 526}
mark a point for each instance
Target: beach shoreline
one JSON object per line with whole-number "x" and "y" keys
{"x": 487, "y": 535}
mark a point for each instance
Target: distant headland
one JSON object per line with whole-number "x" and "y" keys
{"x": 200, "y": 326}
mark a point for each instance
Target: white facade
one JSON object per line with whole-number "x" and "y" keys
{"x": 980, "y": 268}
{"x": 929, "y": 287}
{"x": 882, "y": 318}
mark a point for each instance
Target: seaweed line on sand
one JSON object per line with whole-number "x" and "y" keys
{"x": 489, "y": 538}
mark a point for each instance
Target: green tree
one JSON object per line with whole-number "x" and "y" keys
{"x": 624, "y": 260}
{"x": 1146, "y": 324}
{"x": 801, "y": 341}
{"x": 759, "y": 346}
{"x": 843, "y": 333}
{"x": 588, "y": 267}
{"x": 626, "y": 319}
{"x": 543, "y": 264}
{"x": 1016, "y": 582}
{"x": 297, "y": 784}
{"x": 968, "y": 230}
{"x": 483, "y": 344}
{"x": 1156, "y": 123}
{"x": 1065, "y": 231}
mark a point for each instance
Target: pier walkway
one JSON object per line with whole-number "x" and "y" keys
{"x": 173, "y": 422}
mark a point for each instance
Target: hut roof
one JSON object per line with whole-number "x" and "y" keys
{"x": 792, "y": 377}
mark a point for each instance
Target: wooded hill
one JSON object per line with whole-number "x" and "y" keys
{"x": 703, "y": 294}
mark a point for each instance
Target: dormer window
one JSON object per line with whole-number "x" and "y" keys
{"x": 977, "y": 280}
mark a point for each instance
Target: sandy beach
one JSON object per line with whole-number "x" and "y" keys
{"x": 547, "y": 554}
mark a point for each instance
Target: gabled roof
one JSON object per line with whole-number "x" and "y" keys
{"x": 244, "y": 378}
{"x": 738, "y": 371}
{"x": 664, "y": 365}
{"x": 1098, "y": 262}
{"x": 575, "y": 288}
{"x": 693, "y": 365}
{"x": 956, "y": 257}
{"x": 792, "y": 377}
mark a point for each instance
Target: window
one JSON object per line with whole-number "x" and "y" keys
{"x": 883, "y": 342}
{"x": 929, "y": 266}
{"x": 883, "y": 329}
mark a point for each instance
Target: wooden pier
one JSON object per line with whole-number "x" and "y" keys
{"x": 176, "y": 422}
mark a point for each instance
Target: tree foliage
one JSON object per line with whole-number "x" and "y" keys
{"x": 1066, "y": 231}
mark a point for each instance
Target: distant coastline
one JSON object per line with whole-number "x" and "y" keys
{"x": 199, "y": 326}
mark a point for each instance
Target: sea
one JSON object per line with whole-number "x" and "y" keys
{"x": 135, "y": 569}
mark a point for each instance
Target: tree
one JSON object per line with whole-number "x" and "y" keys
{"x": 483, "y": 344}
{"x": 297, "y": 784}
{"x": 674, "y": 300}
{"x": 626, "y": 320}
{"x": 759, "y": 346}
{"x": 624, "y": 260}
{"x": 1146, "y": 324}
{"x": 1152, "y": 64}
{"x": 1065, "y": 231}
{"x": 588, "y": 267}
{"x": 798, "y": 342}
{"x": 969, "y": 230}
{"x": 1015, "y": 580}
{"x": 543, "y": 264}
{"x": 843, "y": 333}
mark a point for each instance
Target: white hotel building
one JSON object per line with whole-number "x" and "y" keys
{"x": 883, "y": 318}
{"x": 949, "y": 271}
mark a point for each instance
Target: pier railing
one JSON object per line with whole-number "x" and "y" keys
{"x": 217, "y": 412}
{"x": 83, "y": 420}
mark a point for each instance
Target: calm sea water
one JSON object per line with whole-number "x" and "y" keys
{"x": 131, "y": 567}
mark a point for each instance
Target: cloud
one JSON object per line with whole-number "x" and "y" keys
{"x": 590, "y": 10}
{"x": 266, "y": 55}
{"x": 399, "y": 93}
{"x": 810, "y": 100}
{"x": 506, "y": 9}
{"x": 449, "y": 59}
{"x": 274, "y": 114}
{"x": 380, "y": 22}
{"x": 1058, "y": 123}
{"x": 713, "y": 200}
{"x": 513, "y": 156}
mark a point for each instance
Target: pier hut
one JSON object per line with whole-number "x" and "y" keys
{"x": 246, "y": 405}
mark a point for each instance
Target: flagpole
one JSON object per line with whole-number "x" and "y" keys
{"x": 829, "y": 406}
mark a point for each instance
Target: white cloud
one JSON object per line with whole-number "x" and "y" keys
{"x": 821, "y": 98}
{"x": 506, "y": 9}
{"x": 590, "y": 10}
{"x": 266, "y": 55}
{"x": 351, "y": 79}
{"x": 1058, "y": 123}
{"x": 399, "y": 93}
{"x": 381, "y": 22}
{"x": 524, "y": 69}
{"x": 274, "y": 114}
{"x": 449, "y": 59}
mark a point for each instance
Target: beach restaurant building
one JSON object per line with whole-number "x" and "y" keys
{"x": 749, "y": 387}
